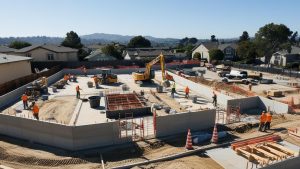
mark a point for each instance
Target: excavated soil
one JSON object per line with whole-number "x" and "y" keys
{"x": 59, "y": 109}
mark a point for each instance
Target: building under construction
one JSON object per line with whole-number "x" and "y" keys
{"x": 126, "y": 111}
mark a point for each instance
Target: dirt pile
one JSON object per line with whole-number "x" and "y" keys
{"x": 59, "y": 109}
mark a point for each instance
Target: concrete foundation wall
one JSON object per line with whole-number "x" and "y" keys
{"x": 181, "y": 122}
{"x": 15, "y": 95}
{"x": 203, "y": 90}
{"x": 292, "y": 163}
{"x": 259, "y": 102}
{"x": 36, "y": 131}
{"x": 61, "y": 136}
{"x": 245, "y": 103}
{"x": 273, "y": 105}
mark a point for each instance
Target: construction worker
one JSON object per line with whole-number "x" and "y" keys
{"x": 268, "y": 121}
{"x": 187, "y": 91}
{"x": 263, "y": 119}
{"x": 96, "y": 81}
{"x": 78, "y": 92}
{"x": 214, "y": 99}
{"x": 173, "y": 90}
{"x": 84, "y": 71}
{"x": 35, "y": 110}
{"x": 25, "y": 101}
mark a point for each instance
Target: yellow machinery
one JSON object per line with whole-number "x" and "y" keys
{"x": 149, "y": 73}
{"x": 106, "y": 77}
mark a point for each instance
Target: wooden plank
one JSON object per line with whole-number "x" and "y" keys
{"x": 252, "y": 156}
{"x": 284, "y": 149}
{"x": 269, "y": 155}
{"x": 276, "y": 152}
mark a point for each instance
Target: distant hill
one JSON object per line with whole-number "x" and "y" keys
{"x": 99, "y": 38}
{"x": 124, "y": 38}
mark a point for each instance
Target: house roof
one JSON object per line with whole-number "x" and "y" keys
{"x": 4, "y": 49}
{"x": 223, "y": 46}
{"x": 54, "y": 48}
{"x": 142, "y": 53}
{"x": 210, "y": 45}
{"x": 295, "y": 50}
{"x": 4, "y": 58}
{"x": 98, "y": 55}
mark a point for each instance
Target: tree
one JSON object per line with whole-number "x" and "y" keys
{"x": 193, "y": 40}
{"x": 216, "y": 54}
{"x": 139, "y": 42}
{"x": 19, "y": 44}
{"x": 197, "y": 56}
{"x": 111, "y": 50}
{"x": 294, "y": 38}
{"x": 213, "y": 38}
{"x": 270, "y": 38}
{"x": 244, "y": 37}
{"x": 246, "y": 50}
{"x": 72, "y": 40}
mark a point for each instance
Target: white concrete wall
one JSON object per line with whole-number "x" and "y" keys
{"x": 181, "y": 122}
{"x": 13, "y": 70}
{"x": 62, "y": 136}
{"x": 202, "y": 90}
{"x": 261, "y": 103}
{"x": 15, "y": 95}
{"x": 275, "y": 106}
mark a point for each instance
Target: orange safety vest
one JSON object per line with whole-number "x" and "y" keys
{"x": 187, "y": 90}
{"x": 35, "y": 109}
{"x": 263, "y": 118}
{"x": 24, "y": 98}
{"x": 77, "y": 88}
{"x": 269, "y": 117}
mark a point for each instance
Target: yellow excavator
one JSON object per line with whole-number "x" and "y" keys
{"x": 148, "y": 74}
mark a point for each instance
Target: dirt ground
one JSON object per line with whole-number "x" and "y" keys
{"x": 191, "y": 162}
{"x": 59, "y": 109}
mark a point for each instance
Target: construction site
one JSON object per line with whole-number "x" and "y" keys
{"x": 147, "y": 118}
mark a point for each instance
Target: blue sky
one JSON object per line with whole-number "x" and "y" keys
{"x": 159, "y": 18}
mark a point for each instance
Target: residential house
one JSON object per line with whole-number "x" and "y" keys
{"x": 98, "y": 55}
{"x": 147, "y": 53}
{"x": 204, "y": 48}
{"x": 13, "y": 67}
{"x": 6, "y": 50}
{"x": 283, "y": 57}
{"x": 47, "y": 52}
{"x": 229, "y": 50}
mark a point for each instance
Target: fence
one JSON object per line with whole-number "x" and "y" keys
{"x": 273, "y": 70}
{"x": 14, "y": 84}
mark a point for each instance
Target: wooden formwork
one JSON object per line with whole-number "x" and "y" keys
{"x": 263, "y": 150}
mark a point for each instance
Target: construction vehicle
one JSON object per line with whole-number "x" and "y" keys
{"x": 37, "y": 88}
{"x": 106, "y": 77}
{"x": 149, "y": 74}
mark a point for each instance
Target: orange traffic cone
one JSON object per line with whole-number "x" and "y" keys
{"x": 214, "y": 138}
{"x": 189, "y": 144}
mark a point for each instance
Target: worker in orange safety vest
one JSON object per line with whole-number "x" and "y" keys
{"x": 187, "y": 91}
{"x": 268, "y": 121}
{"x": 25, "y": 101}
{"x": 35, "y": 110}
{"x": 78, "y": 92}
{"x": 263, "y": 119}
